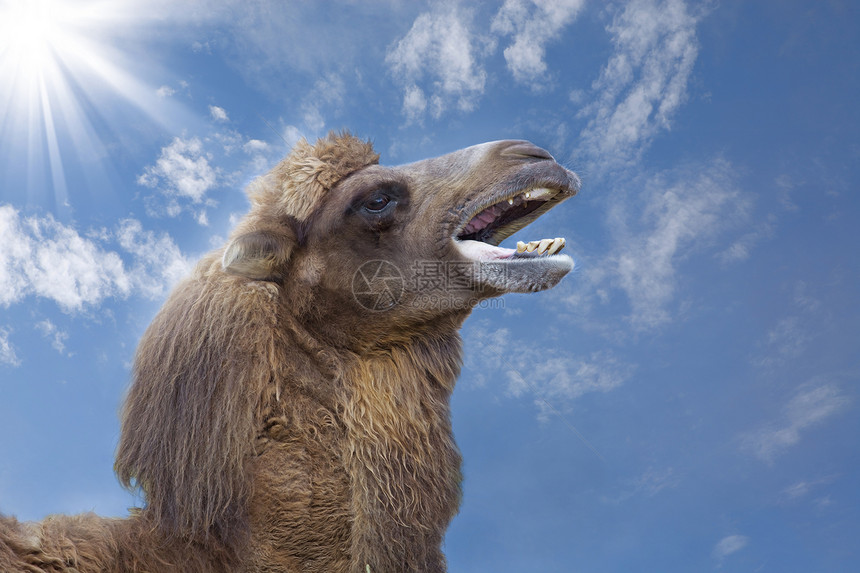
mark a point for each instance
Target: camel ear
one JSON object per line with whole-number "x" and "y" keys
{"x": 259, "y": 255}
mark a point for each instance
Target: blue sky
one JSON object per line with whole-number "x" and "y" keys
{"x": 686, "y": 400}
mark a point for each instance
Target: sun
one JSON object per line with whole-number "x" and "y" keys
{"x": 62, "y": 69}
{"x": 30, "y": 31}
{"x": 38, "y": 40}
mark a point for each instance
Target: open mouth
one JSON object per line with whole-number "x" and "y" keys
{"x": 479, "y": 236}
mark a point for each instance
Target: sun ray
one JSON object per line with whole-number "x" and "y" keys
{"x": 61, "y": 195}
{"x": 60, "y": 70}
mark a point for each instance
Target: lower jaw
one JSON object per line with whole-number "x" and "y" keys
{"x": 524, "y": 274}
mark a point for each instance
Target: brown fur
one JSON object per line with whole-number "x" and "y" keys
{"x": 273, "y": 423}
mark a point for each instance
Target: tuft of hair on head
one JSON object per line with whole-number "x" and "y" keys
{"x": 297, "y": 184}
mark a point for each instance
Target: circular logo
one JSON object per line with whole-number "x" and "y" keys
{"x": 377, "y": 285}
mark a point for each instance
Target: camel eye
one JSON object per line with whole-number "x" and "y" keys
{"x": 377, "y": 204}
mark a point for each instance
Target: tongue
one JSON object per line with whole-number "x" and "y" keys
{"x": 478, "y": 251}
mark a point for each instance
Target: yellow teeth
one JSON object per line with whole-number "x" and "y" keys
{"x": 544, "y": 245}
{"x": 548, "y": 246}
{"x": 541, "y": 193}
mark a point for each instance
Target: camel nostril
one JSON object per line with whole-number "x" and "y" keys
{"x": 525, "y": 149}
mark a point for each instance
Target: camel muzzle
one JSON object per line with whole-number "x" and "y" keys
{"x": 537, "y": 185}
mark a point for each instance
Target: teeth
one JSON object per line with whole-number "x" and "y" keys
{"x": 556, "y": 246}
{"x": 542, "y": 193}
{"x": 544, "y": 246}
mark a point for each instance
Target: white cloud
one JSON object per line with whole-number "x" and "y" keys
{"x": 656, "y": 224}
{"x": 165, "y": 91}
{"x": 729, "y": 545}
{"x": 565, "y": 377}
{"x": 260, "y": 153}
{"x": 414, "y": 103}
{"x": 785, "y": 341}
{"x": 659, "y": 227}
{"x": 203, "y": 47}
{"x": 291, "y": 135}
{"x": 741, "y": 248}
{"x": 812, "y": 403}
{"x": 649, "y": 484}
{"x": 802, "y": 489}
{"x": 795, "y": 491}
{"x": 45, "y": 258}
{"x": 644, "y": 82}
{"x": 184, "y": 169}
{"x": 7, "y": 351}
{"x": 327, "y": 94}
{"x": 803, "y": 300}
{"x": 58, "y": 337}
{"x": 218, "y": 113}
{"x": 557, "y": 379}
{"x": 440, "y": 56}
{"x": 255, "y": 146}
{"x": 183, "y": 174}
{"x": 533, "y": 24}
{"x": 158, "y": 263}
{"x": 786, "y": 186}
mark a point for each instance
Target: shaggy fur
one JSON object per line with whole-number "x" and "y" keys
{"x": 275, "y": 424}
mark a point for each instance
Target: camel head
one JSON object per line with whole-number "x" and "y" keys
{"x": 416, "y": 240}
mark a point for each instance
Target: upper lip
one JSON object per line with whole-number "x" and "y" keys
{"x": 548, "y": 186}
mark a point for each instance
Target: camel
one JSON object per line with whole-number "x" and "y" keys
{"x": 289, "y": 404}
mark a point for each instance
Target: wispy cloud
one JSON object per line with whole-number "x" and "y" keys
{"x": 803, "y": 489}
{"x": 554, "y": 382}
{"x": 45, "y": 258}
{"x": 7, "y": 351}
{"x": 532, "y": 24}
{"x": 657, "y": 226}
{"x": 648, "y": 484}
{"x": 57, "y": 337}
{"x": 729, "y": 545}
{"x": 741, "y": 248}
{"x": 218, "y": 113}
{"x": 563, "y": 379}
{"x": 157, "y": 263}
{"x": 643, "y": 84}
{"x": 438, "y": 63}
{"x": 812, "y": 403}
{"x": 785, "y": 341}
{"x": 327, "y": 95}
